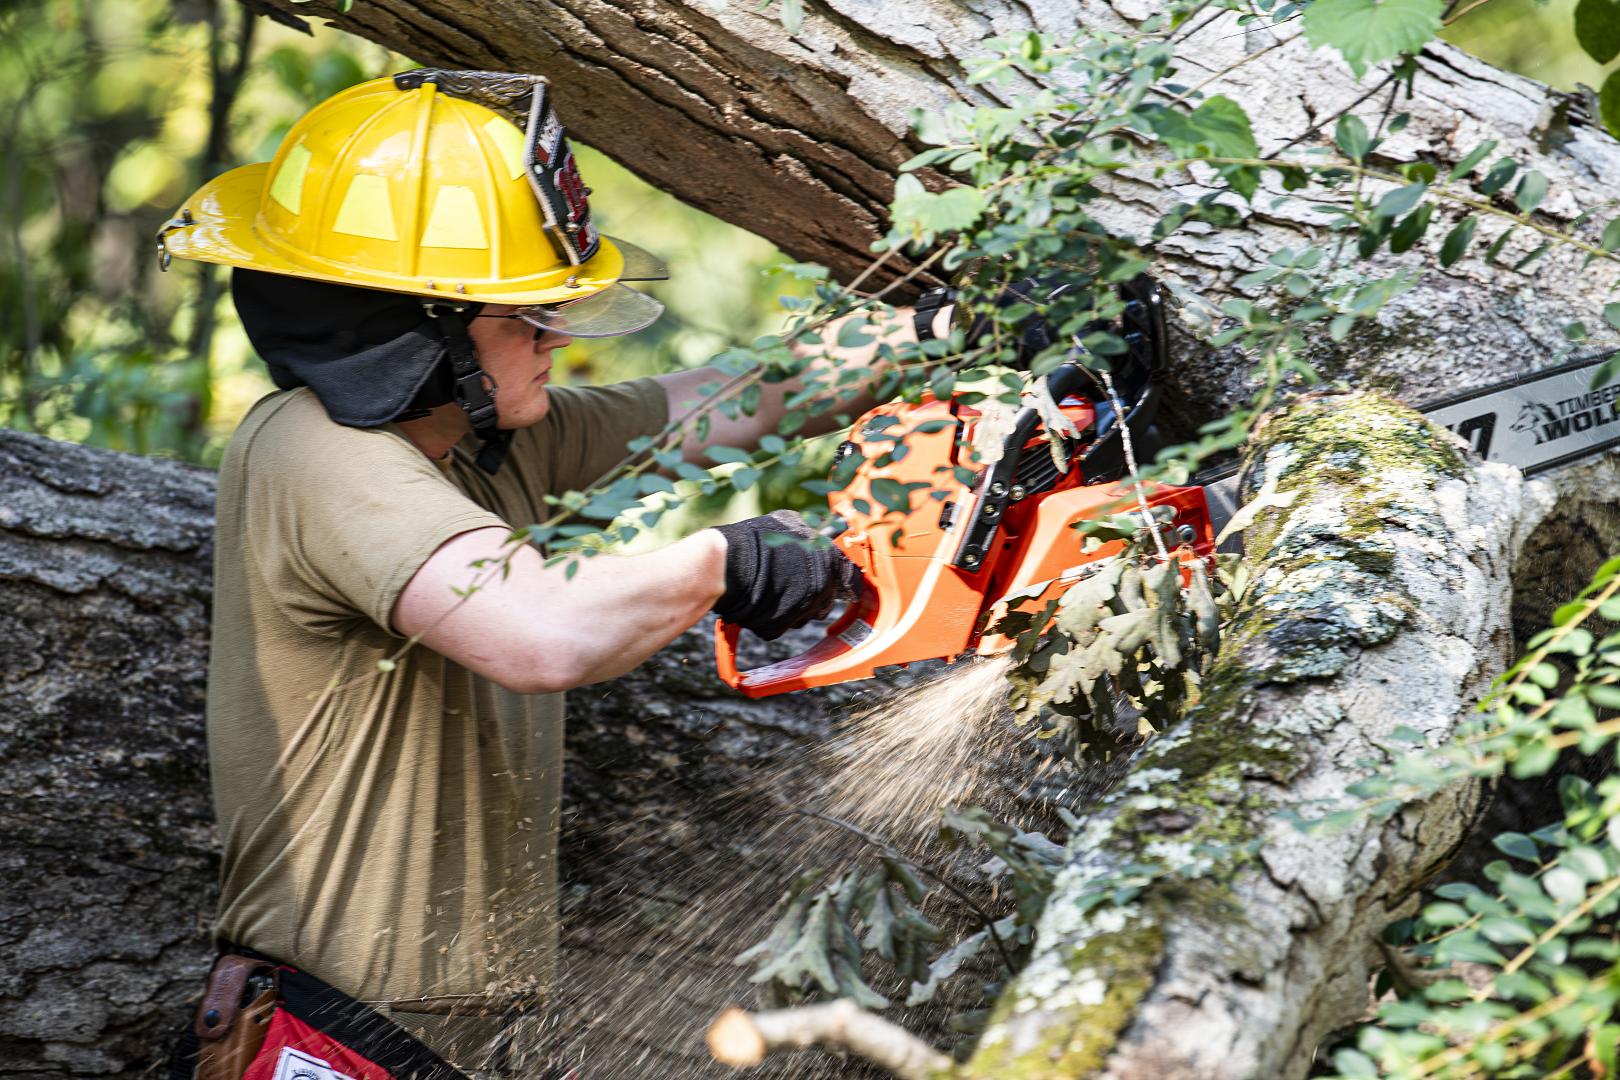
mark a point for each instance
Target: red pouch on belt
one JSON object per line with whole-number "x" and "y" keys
{"x": 317, "y": 1032}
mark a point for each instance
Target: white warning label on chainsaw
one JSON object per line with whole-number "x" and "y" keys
{"x": 855, "y": 633}
{"x": 297, "y": 1065}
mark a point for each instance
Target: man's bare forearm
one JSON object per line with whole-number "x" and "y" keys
{"x": 535, "y": 629}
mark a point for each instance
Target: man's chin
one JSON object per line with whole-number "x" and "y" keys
{"x": 534, "y": 410}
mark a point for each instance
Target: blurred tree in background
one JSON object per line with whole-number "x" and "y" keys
{"x": 117, "y": 109}
{"x": 1532, "y": 37}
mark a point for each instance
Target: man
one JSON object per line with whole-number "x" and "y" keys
{"x": 385, "y": 744}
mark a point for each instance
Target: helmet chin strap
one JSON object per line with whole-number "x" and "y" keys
{"x": 474, "y": 389}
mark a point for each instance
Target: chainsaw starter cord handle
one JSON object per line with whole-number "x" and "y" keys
{"x": 780, "y": 574}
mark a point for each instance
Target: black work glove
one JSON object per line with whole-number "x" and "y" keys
{"x": 772, "y": 588}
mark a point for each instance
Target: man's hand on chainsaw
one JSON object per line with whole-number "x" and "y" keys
{"x": 780, "y": 574}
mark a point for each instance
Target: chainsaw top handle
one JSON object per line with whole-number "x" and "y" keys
{"x": 1147, "y": 349}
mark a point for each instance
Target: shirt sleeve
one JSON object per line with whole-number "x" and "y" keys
{"x": 339, "y": 519}
{"x": 588, "y": 427}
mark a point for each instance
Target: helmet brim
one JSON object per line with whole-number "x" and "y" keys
{"x": 611, "y": 312}
{"x": 639, "y": 263}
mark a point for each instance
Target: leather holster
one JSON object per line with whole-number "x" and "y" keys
{"x": 234, "y": 1016}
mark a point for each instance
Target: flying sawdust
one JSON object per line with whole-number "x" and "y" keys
{"x": 649, "y": 966}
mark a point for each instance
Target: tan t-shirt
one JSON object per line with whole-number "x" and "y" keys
{"x": 392, "y": 833}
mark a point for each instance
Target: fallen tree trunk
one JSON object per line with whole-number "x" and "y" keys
{"x": 797, "y": 137}
{"x": 107, "y": 856}
{"x": 1379, "y": 600}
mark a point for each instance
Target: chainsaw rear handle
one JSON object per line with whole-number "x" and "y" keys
{"x": 726, "y": 638}
{"x": 840, "y": 639}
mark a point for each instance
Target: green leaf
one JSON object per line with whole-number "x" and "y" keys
{"x": 852, "y": 334}
{"x": 1564, "y": 885}
{"x": 1517, "y": 845}
{"x": 919, "y": 211}
{"x": 1506, "y": 931}
{"x": 1457, "y": 240}
{"x": 1534, "y": 759}
{"x": 1445, "y": 990}
{"x": 1602, "y": 1044}
{"x": 1219, "y": 128}
{"x": 1609, "y": 103}
{"x": 1471, "y": 162}
{"x": 949, "y": 962}
{"x": 1350, "y": 135}
{"x": 895, "y": 495}
{"x": 1531, "y": 190}
{"x": 1611, "y": 315}
{"x": 1611, "y": 236}
{"x": 1500, "y": 173}
{"x": 1597, "y": 28}
{"x": 1355, "y": 1064}
{"x": 792, "y": 16}
{"x": 1466, "y": 946}
{"x": 1499, "y": 243}
{"x": 1399, "y": 201}
{"x": 1411, "y": 229}
{"x": 1403, "y": 1014}
{"x": 1369, "y": 31}
{"x": 1445, "y": 913}
{"x": 1588, "y": 862}
{"x": 1604, "y": 697}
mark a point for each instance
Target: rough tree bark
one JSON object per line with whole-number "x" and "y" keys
{"x": 796, "y": 138}
{"x": 107, "y": 858}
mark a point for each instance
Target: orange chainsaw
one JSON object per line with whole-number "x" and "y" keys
{"x": 946, "y": 543}
{"x": 941, "y": 570}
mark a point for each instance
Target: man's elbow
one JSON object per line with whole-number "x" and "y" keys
{"x": 544, "y": 668}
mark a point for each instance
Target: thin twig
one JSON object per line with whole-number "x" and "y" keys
{"x": 1316, "y": 126}
{"x": 1557, "y": 928}
{"x": 741, "y": 1038}
{"x": 1130, "y": 463}
{"x": 1452, "y": 17}
{"x": 1227, "y": 70}
{"x": 1432, "y": 1064}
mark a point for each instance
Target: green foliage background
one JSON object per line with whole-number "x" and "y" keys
{"x": 1532, "y": 37}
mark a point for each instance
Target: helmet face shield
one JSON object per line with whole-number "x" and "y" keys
{"x": 616, "y": 310}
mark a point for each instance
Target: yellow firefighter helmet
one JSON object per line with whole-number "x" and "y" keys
{"x": 454, "y": 185}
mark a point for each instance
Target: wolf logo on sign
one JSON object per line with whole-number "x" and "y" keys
{"x": 1534, "y": 417}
